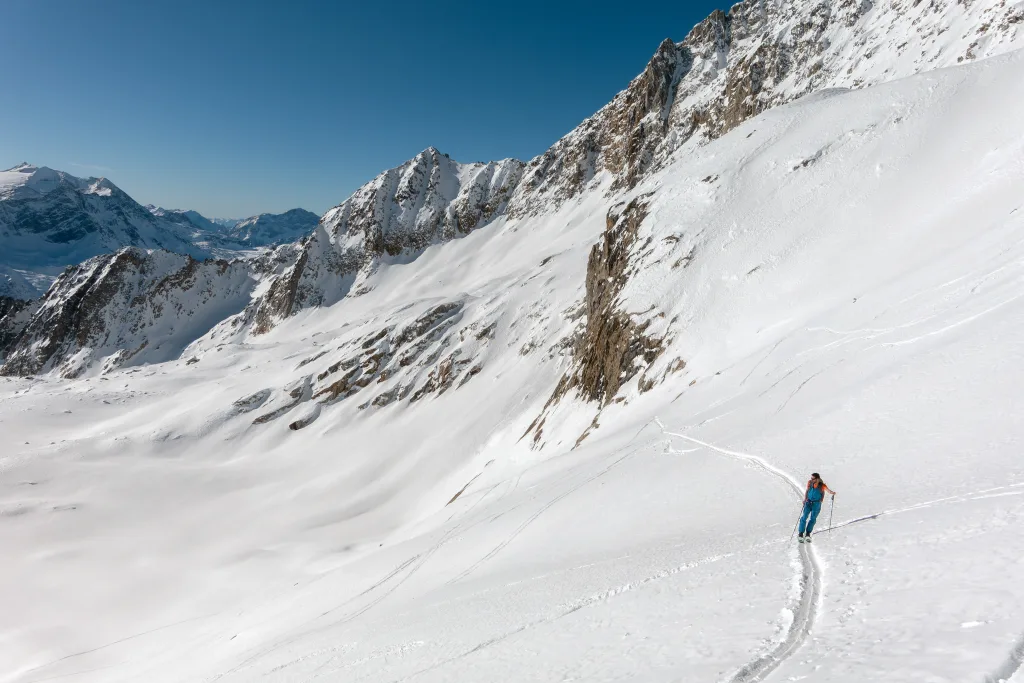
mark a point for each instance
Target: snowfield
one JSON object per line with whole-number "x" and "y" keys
{"x": 841, "y": 278}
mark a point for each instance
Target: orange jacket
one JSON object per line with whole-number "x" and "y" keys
{"x": 823, "y": 490}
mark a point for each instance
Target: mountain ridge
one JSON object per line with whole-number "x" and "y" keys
{"x": 730, "y": 67}
{"x": 260, "y": 230}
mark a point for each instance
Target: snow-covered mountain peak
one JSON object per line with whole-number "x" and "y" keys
{"x": 101, "y": 187}
{"x": 50, "y": 219}
{"x": 28, "y": 180}
{"x": 24, "y": 169}
{"x": 267, "y": 229}
{"x": 427, "y": 200}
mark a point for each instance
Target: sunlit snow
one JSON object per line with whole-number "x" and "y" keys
{"x": 842, "y": 277}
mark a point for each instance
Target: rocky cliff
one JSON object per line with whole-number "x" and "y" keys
{"x": 760, "y": 54}
{"x": 15, "y": 315}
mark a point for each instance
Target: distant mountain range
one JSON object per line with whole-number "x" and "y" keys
{"x": 263, "y": 230}
{"x": 50, "y": 219}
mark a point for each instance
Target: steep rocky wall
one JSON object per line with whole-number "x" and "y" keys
{"x": 15, "y": 315}
{"x": 614, "y": 347}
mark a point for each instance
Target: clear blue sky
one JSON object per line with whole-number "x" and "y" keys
{"x": 234, "y": 108}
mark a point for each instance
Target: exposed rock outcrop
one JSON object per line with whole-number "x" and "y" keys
{"x": 435, "y": 352}
{"x": 15, "y": 315}
{"x": 613, "y": 346}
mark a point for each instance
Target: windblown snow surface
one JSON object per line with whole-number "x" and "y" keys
{"x": 843, "y": 278}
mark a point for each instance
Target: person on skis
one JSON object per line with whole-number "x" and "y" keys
{"x": 815, "y": 494}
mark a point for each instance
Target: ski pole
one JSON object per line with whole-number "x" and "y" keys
{"x": 831, "y": 509}
{"x": 797, "y": 522}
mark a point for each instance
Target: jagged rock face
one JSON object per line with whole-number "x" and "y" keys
{"x": 427, "y": 200}
{"x": 761, "y": 54}
{"x": 318, "y": 276}
{"x": 613, "y": 345}
{"x": 127, "y": 308}
{"x": 15, "y": 315}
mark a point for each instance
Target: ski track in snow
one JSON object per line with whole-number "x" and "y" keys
{"x": 1009, "y": 667}
{"x": 108, "y": 645}
{"x": 532, "y": 518}
{"x": 563, "y": 611}
{"x": 806, "y": 609}
{"x": 977, "y": 495}
{"x": 416, "y": 562}
{"x": 1013, "y": 662}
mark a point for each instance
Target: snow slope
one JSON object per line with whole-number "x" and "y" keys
{"x": 833, "y": 285}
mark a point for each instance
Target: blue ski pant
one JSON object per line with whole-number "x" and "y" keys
{"x": 809, "y": 516}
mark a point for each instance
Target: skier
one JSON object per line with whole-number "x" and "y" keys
{"x": 815, "y": 494}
